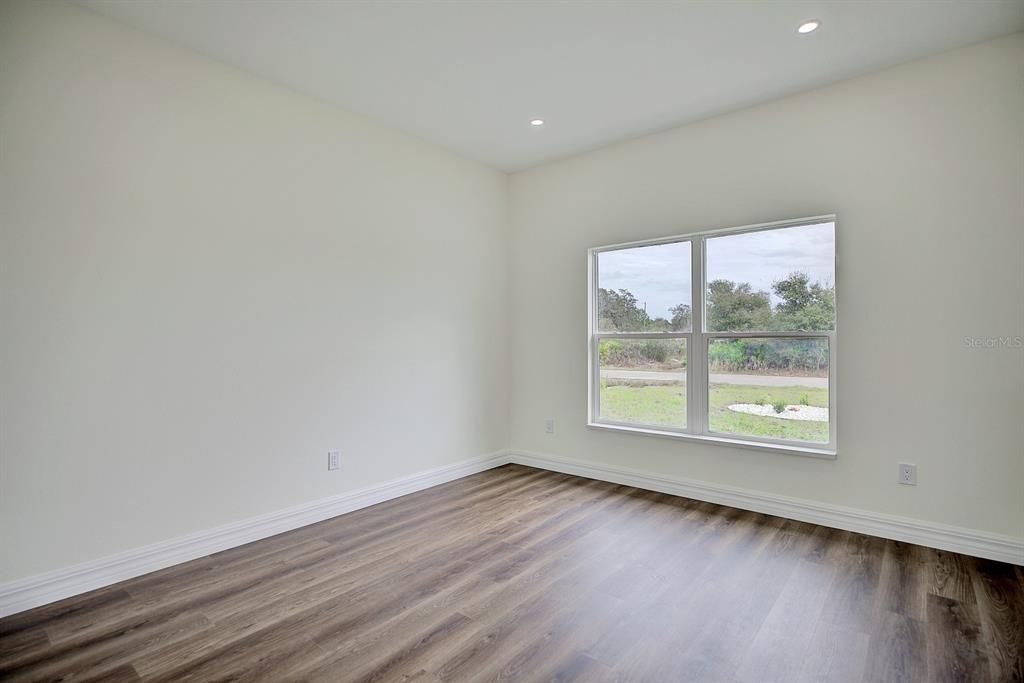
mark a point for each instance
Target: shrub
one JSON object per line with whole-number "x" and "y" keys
{"x": 804, "y": 401}
{"x": 654, "y": 350}
{"x": 726, "y": 355}
{"x": 779, "y": 406}
{"x": 763, "y": 400}
{"x": 632, "y": 353}
{"x": 609, "y": 350}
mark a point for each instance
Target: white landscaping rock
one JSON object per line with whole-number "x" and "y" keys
{"x": 807, "y": 413}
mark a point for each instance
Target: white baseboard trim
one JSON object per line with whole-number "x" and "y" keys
{"x": 943, "y": 537}
{"x": 42, "y": 589}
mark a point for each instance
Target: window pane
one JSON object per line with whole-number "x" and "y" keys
{"x": 643, "y": 381}
{"x": 776, "y": 388}
{"x": 780, "y": 280}
{"x": 644, "y": 289}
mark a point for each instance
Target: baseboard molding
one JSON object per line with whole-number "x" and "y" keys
{"x": 42, "y": 589}
{"x": 45, "y": 588}
{"x": 943, "y": 537}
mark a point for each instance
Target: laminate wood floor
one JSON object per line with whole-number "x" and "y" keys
{"x": 525, "y": 575}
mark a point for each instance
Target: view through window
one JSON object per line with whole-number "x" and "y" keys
{"x": 750, "y": 357}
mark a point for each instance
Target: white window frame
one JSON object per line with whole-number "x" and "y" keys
{"x": 697, "y": 342}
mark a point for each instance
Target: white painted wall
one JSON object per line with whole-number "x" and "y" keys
{"x": 206, "y": 281}
{"x": 924, "y": 165}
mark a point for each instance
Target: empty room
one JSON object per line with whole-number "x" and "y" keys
{"x": 455, "y": 341}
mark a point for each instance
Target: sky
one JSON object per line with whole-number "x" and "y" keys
{"x": 659, "y": 275}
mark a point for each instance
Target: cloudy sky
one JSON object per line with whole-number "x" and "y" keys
{"x": 659, "y": 276}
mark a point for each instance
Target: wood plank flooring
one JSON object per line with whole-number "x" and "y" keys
{"x": 519, "y": 574}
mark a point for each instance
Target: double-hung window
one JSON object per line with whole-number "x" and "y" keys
{"x": 725, "y": 336}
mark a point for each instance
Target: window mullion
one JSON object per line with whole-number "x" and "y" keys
{"x": 696, "y": 367}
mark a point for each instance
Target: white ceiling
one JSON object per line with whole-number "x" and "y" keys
{"x": 470, "y": 75}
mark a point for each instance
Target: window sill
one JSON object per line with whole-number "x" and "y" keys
{"x": 808, "y": 451}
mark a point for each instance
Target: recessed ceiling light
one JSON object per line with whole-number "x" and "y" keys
{"x": 537, "y": 122}
{"x": 808, "y": 26}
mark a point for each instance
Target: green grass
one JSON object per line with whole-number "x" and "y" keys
{"x": 664, "y": 405}
{"x": 724, "y": 420}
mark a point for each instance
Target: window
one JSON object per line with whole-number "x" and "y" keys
{"x": 726, "y": 336}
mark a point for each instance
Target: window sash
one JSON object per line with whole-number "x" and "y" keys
{"x": 706, "y": 388}
{"x": 697, "y": 343}
{"x": 595, "y": 379}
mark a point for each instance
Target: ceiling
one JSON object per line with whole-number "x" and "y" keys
{"x": 470, "y": 76}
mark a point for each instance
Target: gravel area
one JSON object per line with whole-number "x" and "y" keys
{"x": 808, "y": 413}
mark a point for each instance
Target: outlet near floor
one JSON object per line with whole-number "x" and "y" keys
{"x": 908, "y": 474}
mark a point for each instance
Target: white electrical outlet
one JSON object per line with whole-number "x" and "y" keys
{"x": 549, "y": 426}
{"x": 908, "y": 474}
{"x": 333, "y": 459}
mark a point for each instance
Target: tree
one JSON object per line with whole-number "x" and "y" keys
{"x": 731, "y": 306}
{"x": 736, "y": 307}
{"x": 680, "y": 317}
{"x": 804, "y": 306}
{"x": 618, "y": 311}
